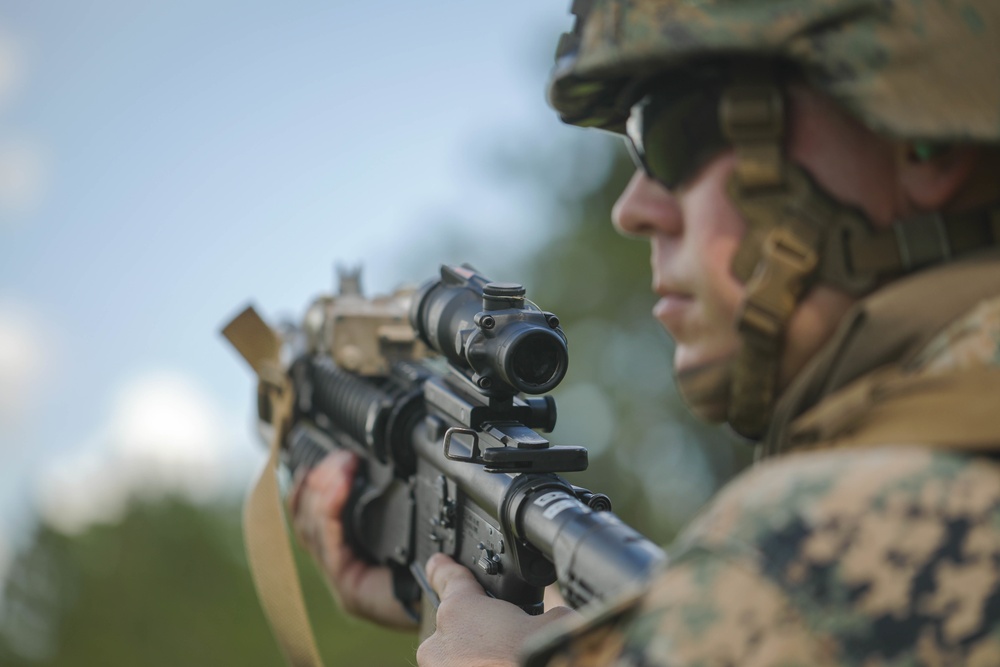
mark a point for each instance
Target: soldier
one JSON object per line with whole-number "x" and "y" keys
{"x": 817, "y": 182}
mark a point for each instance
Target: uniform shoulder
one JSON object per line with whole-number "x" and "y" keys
{"x": 708, "y": 611}
{"x": 846, "y": 557}
{"x": 809, "y": 491}
{"x": 889, "y": 552}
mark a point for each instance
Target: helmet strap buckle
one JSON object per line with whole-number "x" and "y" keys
{"x": 786, "y": 264}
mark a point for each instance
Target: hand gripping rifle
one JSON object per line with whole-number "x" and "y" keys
{"x": 451, "y": 458}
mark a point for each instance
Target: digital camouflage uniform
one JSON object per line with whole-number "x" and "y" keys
{"x": 869, "y": 534}
{"x": 850, "y": 553}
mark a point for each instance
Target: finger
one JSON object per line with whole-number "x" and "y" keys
{"x": 318, "y": 502}
{"x": 557, "y": 614}
{"x": 334, "y": 467}
{"x": 331, "y": 481}
{"x": 306, "y": 521}
{"x": 449, "y": 579}
{"x": 333, "y": 471}
{"x": 331, "y": 500}
{"x": 553, "y": 597}
{"x": 342, "y": 465}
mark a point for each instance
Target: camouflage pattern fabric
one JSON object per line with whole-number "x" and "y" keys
{"x": 913, "y": 69}
{"x": 887, "y": 555}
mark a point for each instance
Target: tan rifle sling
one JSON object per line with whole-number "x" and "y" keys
{"x": 265, "y": 531}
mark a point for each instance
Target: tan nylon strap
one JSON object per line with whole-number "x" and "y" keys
{"x": 706, "y": 389}
{"x": 923, "y": 240}
{"x": 779, "y": 198}
{"x": 789, "y": 258}
{"x": 265, "y": 532}
{"x": 269, "y": 553}
{"x": 752, "y": 117}
{"x": 773, "y": 290}
{"x": 751, "y": 114}
{"x": 890, "y": 407}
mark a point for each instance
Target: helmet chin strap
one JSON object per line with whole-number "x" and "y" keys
{"x": 798, "y": 235}
{"x": 705, "y": 389}
{"x": 779, "y": 254}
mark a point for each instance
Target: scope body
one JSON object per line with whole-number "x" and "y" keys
{"x": 504, "y": 342}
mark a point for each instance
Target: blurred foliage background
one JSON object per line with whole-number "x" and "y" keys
{"x": 166, "y": 581}
{"x": 169, "y": 584}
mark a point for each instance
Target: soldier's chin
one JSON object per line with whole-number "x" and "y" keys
{"x": 705, "y": 389}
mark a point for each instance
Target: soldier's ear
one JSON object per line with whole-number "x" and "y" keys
{"x": 932, "y": 176}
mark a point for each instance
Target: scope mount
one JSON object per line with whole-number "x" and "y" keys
{"x": 498, "y": 432}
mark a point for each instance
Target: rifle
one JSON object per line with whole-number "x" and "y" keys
{"x": 439, "y": 391}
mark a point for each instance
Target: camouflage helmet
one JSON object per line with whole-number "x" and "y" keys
{"x": 924, "y": 70}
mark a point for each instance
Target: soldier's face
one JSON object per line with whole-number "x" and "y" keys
{"x": 694, "y": 232}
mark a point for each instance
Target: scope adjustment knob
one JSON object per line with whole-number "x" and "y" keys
{"x": 503, "y": 290}
{"x": 500, "y": 296}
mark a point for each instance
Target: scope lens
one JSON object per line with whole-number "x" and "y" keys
{"x": 537, "y": 359}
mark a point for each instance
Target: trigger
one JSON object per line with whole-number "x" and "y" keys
{"x": 425, "y": 586}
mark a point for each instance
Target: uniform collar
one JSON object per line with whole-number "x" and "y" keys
{"x": 890, "y": 327}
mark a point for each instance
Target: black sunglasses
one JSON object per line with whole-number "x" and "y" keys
{"x": 674, "y": 130}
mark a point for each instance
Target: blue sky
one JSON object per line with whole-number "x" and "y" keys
{"x": 162, "y": 163}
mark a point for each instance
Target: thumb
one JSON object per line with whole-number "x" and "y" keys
{"x": 449, "y": 579}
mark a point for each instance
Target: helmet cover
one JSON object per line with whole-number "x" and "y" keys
{"x": 923, "y": 70}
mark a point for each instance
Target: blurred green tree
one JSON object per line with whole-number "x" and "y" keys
{"x": 166, "y": 586}
{"x": 169, "y": 585}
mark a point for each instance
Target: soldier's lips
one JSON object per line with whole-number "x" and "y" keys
{"x": 673, "y": 311}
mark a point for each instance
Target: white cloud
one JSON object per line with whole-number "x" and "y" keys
{"x": 163, "y": 421}
{"x": 26, "y": 349}
{"x": 164, "y": 435}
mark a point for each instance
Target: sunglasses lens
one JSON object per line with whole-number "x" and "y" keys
{"x": 672, "y": 135}
{"x": 634, "y": 141}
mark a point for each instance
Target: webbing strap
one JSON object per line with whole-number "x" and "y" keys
{"x": 751, "y": 114}
{"x": 797, "y": 234}
{"x": 265, "y": 532}
{"x": 922, "y": 240}
{"x": 788, "y": 259}
{"x": 269, "y": 553}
